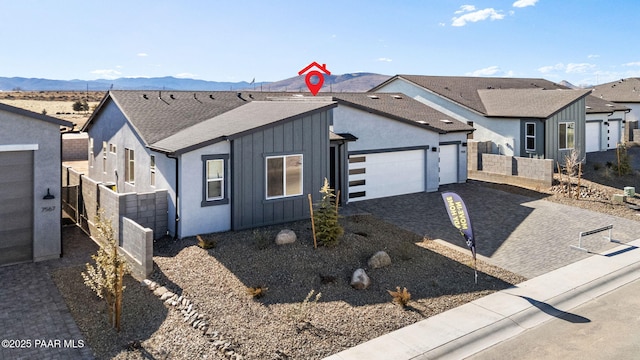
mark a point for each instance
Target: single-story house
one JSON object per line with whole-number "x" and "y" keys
{"x": 233, "y": 160}
{"x": 605, "y": 124}
{"x": 624, "y": 92}
{"x": 30, "y": 185}
{"x": 522, "y": 117}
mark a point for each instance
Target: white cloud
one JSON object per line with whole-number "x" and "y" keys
{"x": 579, "y": 68}
{"x": 551, "y": 68}
{"x": 593, "y": 56}
{"x": 185, "y": 75}
{"x": 142, "y": 54}
{"x": 108, "y": 74}
{"x": 384, "y": 59}
{"x": 635, "y": 63}
{"x": 524, "y": 3}
{"x": 475, "y": 16}
{"x": 442, "y": 24}
{"x": 490, "y": 71}
{"x": 465, "y": 8}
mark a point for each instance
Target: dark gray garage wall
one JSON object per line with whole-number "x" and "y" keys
{"x": 43, "y": 139}
{"x": 308, "y": 135}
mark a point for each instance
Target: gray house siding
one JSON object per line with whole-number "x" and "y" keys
{"x": 574, "y": 113}
{"x": 308, "y": 136}
{"x": 539, "y": 138}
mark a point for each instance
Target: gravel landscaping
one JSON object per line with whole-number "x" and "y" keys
{"x": 280, "y": 325}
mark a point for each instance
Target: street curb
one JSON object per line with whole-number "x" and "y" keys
{"x": 482, "y": 323}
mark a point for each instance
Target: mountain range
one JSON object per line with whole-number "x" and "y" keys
{"x": 338, "y": 83}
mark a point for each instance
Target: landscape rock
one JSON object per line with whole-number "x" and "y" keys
{"x": 285, "y": 237}
{"x": 379, "y": 259}
{"x": 360, "y": 280}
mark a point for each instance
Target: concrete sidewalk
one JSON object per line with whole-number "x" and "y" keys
{"x": 478, "y": 325}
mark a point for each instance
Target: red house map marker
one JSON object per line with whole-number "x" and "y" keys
{"x": 314, "y": 88}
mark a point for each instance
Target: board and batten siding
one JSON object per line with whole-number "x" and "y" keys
{"x": 309, "y": 136}
{"x": 573, "y": 113}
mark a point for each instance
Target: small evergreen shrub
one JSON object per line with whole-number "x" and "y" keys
{"x": 301, "y": 313}
{"x": 328, "y": 229}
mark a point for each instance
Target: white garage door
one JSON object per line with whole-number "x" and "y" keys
{"x": 16, "y": 206}
{"x": 593, "y": 136}
{"x": 614, "y": 134}
{"x": 386, "y": 174}
{"x": 448, "y": 164}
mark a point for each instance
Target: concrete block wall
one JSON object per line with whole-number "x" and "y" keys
{"x": 636, "y": 136}
{"x": 511, "y": 170}
{"x": 75, "y": 146}
{"x": 137, "y": 246}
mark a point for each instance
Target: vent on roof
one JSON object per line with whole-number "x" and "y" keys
{"x": 396, "y": 96}
{"x": 210, "y": 96}
{"x": 172, "y": 97}
{"x": 423, "y": 122}
{"x": 145, "y": 96}
{"x": 373, "y": 97}
{"x": 250, "y": 96}
{"x": 588, "y": 107}
{"x": 609, "y": 105}
{"x": 446, "y": 121}
{"x": 489, "y": 87}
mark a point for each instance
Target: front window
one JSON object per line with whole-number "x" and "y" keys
{"x": 566, "y": 135}
{"x": 215, "y": 179}
{"x": 530, "y": 136}
{"x": 284, "y": 176}
{"x": 214, "y": 186}
{"x": 129, "y": 166}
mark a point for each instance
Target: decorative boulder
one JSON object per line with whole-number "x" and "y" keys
{"x": 360, "y": 280}
{"x": 379, "y": 259}
{"x": 285, "y": 237}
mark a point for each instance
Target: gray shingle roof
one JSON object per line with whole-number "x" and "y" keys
{"x": 35, "y": 115}
{"x": 595, "y": 105}
{"x": 624, "y": 90}
{"x": 392, "y": 105}
{"x": 177, "y": 120}
{"x": 233, "y": 123}
{"x": 534, "y": 103}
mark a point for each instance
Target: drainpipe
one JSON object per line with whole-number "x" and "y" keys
{"x": 177, "y": 219}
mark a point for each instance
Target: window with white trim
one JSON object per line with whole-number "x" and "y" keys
{"x": 129, "y": 166}
{"x": 566, "y": 135}
{"x": 530, "y": 136}
{"x": 284, "y": 176}
{"x": 152, "y": 170}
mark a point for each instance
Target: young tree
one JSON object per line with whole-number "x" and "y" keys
{"x": 328, "y": 229}
{"x": 106, "y": 277}
{"x": 81, "y": 105}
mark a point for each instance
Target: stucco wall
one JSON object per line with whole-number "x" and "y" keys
{"x": 44, "y": 138}
{"x": 74, "y": 146}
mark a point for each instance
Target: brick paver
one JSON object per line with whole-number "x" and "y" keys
{"x": 528, "y": 236}
{"x": 34, "y": 318}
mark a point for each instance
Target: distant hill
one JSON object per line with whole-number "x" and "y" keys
{"x": 354, "y": 82}
{"x": 347, "y": 82}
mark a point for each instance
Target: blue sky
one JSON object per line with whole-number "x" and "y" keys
{"x": 582, "y": 41}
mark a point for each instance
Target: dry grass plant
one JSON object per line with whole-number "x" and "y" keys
{"x": 400, "y": 297}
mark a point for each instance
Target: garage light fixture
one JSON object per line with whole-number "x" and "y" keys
{"x": 48, "y": 196}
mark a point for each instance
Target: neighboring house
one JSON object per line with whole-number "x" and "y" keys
{"x": 605, "y": 124}
{"x": 625, "y": 92}
{"x": 30, "y": 212}
{"x": 240, "y": 160}
{"x": 522, "y": 117}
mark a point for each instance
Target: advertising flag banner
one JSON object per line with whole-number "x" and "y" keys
{"x": 459, "y": 216}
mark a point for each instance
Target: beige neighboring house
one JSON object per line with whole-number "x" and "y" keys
{"x": 30, "y": 185}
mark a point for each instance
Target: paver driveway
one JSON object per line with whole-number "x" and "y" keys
{"x": 33, "y": 312}
{"x": 528, "y": 236}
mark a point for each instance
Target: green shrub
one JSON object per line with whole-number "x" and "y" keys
{"x": 327, "y": 228}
